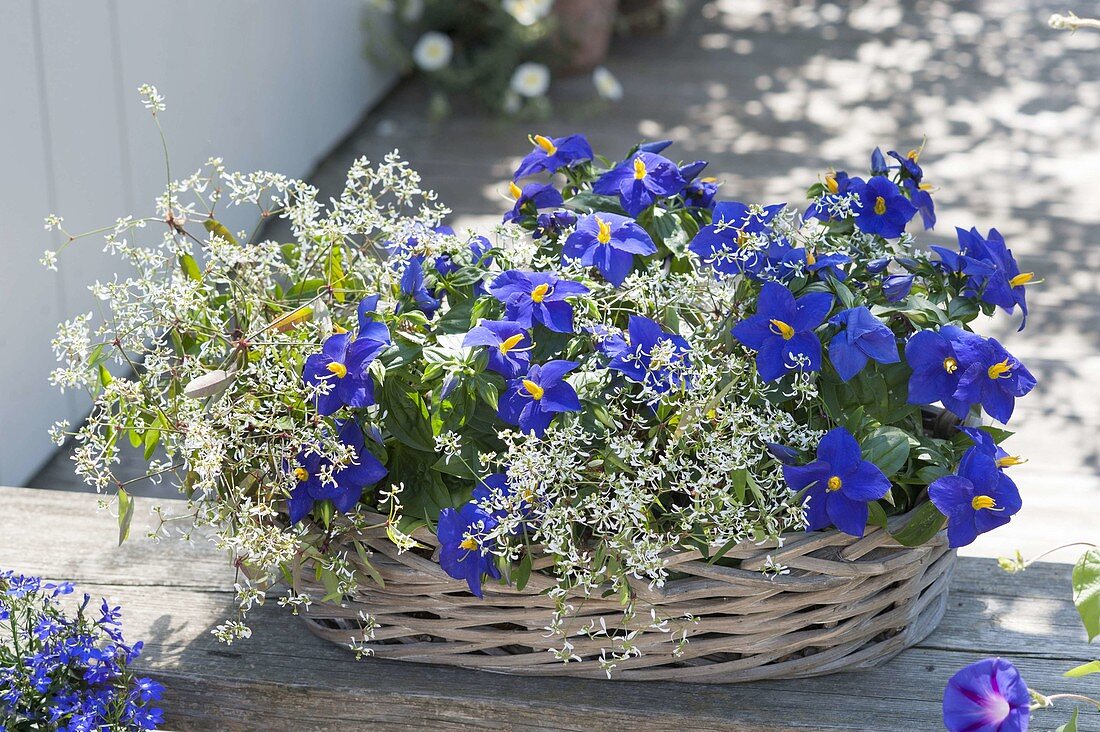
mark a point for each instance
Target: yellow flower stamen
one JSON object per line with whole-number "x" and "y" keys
{"x": 926, "y": 186}
{"x": 708, "y": 179}
{"x": 999, "y": 370}
{"x": 604, "y": 234}
{"x": 880, "y": 205}
{"x": 834, "y": 483}
{"x": 811, "y": 259}
{"x": 510, "y": 343}
{"x": 639, "y": 169}
{"x": 301, "y": 474}
{"x": 469, "y": 543}
{"x": 781, "y": 328}
{"x": 913, "y": 155}
{"x": 533, "y": 389}
{"x": 1009, "y": 460}
{"x": 1021, "y": 279}
{"x": 830, "y": 183}
{"x": 339, "y": 369}
{"x": 742, "y": 239}
{"x": 950, "y": 364}
{"x": 540, "y": 292}
{"x": 545, "y": 143}
{"x": 515, "y": 191}
{"x": 981, "y": 502}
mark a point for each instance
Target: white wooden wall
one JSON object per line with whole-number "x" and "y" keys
{"x": 266, "y": 84}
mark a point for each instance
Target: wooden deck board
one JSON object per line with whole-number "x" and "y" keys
{"x": 174, "y": 593}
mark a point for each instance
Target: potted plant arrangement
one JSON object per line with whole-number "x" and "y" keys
{"x": 633, "y": 431}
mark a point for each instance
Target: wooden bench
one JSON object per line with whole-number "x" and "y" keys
{"x": 173, "y": 593}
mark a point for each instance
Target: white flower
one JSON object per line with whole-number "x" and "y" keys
{"x": 151, "y": 99}
{"x": 433, "y": 51}
{"x": 530, "y": 80}
{"x": 607, "y": 86}
{"x": 528, "y": 12}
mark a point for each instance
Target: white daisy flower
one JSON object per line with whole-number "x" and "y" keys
{"x": 528, "y": 12}
{"x": 607, "y": 86}
{"x": 433, "y": 51}
{"x": 530, "y": 80}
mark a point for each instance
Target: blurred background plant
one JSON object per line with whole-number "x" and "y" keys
{"x": 503, "y": 54}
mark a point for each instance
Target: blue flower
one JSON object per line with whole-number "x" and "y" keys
{"x": 536, "y": 297}
{"x": 838, "y": 186}
{"x": 984, "y": 443}
{"x": 478, "y": 247}
{"x": 882, "y": 208}
{"x": 838, "y": 485}
{"x": 724, "y": 243}
{"x": 908, "y": 164}
{"x": 979, "y": 498}
{"x": 532, "y": 401}
{"x": 413, "y": 290}
{"x": 345, "y": 364}
{"x": 465, "y": 547}
{"x": 640, "y": 180}
{"x": 994, "y": 378}
{"x": 700, "y": 193}
{"x": 878, "y": 163}
{"x": 782, "y": 330}
{"x": 987, "y": 696}
{"x": 532, "y": 196}
{"x": 833, "y": 264}
{"x": 921, "y": 198}
{"x": 895, "y": 288}
{"x": 938, "y": 360}
{"x": 553, "y": 154}
{"x": 994, "y": 271}
{"x": 347, "y": 484}
{"x": 608, "y": 242}
{"x": 654, "y": 356}
{"x": 494, "y": 487}
{"x": 509, "y": 345}
{"x": 553, "y": 223}
{"x": 863, "y": 337}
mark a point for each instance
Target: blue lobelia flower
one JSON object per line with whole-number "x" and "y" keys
{"x": 414, "y": 292}
{"x": 509, "y": 345}
{"x": 882, "y": 208}
{"x": 346, "y": 484}
{"x": 345, "y": 363}
{"x": 722, "y": 244}
{"x": 608, "y": 242}
{"x": 939, "y": 359}
{"x": 532, "y": 401}
{"x": 553, "y": 154}
{"x": 640, "y": 180}
{"x": 553, "y": 223}
{"x": 979, "y": 498}
{"x": 986, "y": 696}
{"x": 993, "y": 378}
{"x": 532, "y": 196}
{"x": 465, "y": 547}
{"x": 654, "y": 356}
{"x": 536, "y": 297}
{"x": 863, "y": 337}
{"x": 839, "y": 484}
{"x": 782, "y": 330}
{"x": 895, "y": 288}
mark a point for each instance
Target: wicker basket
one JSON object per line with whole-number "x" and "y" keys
{"x": 845, "y": 604}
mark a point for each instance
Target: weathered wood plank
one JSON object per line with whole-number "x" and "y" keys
{"x": 174, "y": 594}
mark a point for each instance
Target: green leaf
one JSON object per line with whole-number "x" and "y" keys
{"x": 105, "y": 377}
{"x": 125, "y": 514}
{"x": 1092, "y": 667}
{"x": 190, "y": 267}
{"x": 1086, "y": 591}
{"x": 523, "y": 571}
{"x": 334, "y": 271}
{"x": 589, "y": 202}
{"x": 1071, "y": 725}
{"x": 408, "y": 418}
{"x": 216, "y": 228}
{"x": 888, "y": 448}
{"x": 925, "y": 522}
{"x": 876, "y": 514}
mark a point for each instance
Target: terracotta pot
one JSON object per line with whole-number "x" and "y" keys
{"x": 584, "y": 29}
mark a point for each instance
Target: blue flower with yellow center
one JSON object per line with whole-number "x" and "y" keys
{"x": 344, "y": 363}
{"x": 346, "y": 484}
{"x": 536, "y": 297}
{"x": 863, "y": 337}
{"x": 465, "y": 547}
{"x": 782, "y": 330}
{"x": 608, "y": 242}
{"x": 654, "y": 356}
{"x": 994, "y": 271}
{"x": 984, "y": 443}
{"x": 727, "y": 244}
{"x": 531, "y": 402}
{"x": 939, "y": 359}
{"x": 882, "y": 208}
{"x": 495, "y": 487}
{"x": 553, "y": 154}
{"x": 529, "y": 199}
{"x": 640, "y": 180}
{"x": 838, "y": 185}
{"x": 994, "y": 379}
{"x": 553, "y": 223}
{"x": 508, "y": 345}
{"x": 977, "y": 499}
{"x": 838, "y": 485}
